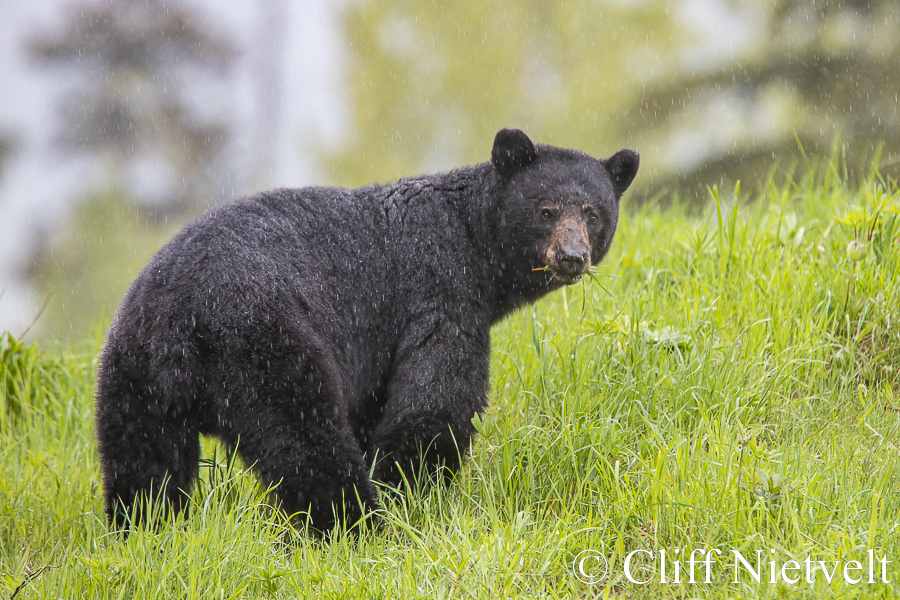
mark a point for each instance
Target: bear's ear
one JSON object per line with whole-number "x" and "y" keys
{"x": 512, "y": 151}
{"x": 622, "y": 167}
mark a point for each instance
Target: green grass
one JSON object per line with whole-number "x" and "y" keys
{"x": 727, "y": 380}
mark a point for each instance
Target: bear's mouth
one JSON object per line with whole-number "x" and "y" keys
{"x": 561, "y": 276}
{"x": 564, "y": 278}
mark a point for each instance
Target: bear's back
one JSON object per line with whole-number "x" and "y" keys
{"x": 354, "y": 264}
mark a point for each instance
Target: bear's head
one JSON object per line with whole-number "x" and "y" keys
{"x": 558, "y": 209}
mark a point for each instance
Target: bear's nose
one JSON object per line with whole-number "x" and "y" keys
{"x": 571, "y": 260}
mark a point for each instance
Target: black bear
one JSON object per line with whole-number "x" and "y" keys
{"x": 320, "y": 330}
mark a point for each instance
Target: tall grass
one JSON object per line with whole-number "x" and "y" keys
{"x": 727, "y": 380}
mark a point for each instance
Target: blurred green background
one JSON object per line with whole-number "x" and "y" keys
{"x": 709, "y": 91}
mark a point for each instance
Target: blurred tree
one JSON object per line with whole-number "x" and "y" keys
{"x": 432, "y": 82}
{"x": 6, "y": 149}
{"x": 130, "y": 106}
{"x": 707, "y": 90}
{"x": 816, "y": 70}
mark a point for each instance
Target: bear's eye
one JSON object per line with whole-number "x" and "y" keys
{"x": 593, "y": 218}
{"x": 546, "y": 214}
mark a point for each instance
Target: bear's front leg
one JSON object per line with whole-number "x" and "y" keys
{"x": 438, "y": 384}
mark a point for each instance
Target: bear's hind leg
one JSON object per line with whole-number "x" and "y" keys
{"x": 145, "y": 453}
{"x": 313, "y": 462}
{"x": 296, "y": 436}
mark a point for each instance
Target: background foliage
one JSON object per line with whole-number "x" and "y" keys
{"x": 709, "y": 91}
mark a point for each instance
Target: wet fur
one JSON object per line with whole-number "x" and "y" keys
{"x": 319, "y": 330}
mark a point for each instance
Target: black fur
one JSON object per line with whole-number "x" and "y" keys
{"x": 317, "y": 330}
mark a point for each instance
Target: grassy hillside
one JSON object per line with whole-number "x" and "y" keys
{"x": 726, "y": 381}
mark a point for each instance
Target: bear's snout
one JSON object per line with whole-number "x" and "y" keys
{"x": 568, "y": 255}
{"x": 571, "y": 259}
